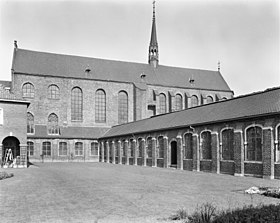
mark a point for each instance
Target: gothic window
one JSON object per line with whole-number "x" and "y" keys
{"x": 30, "y": 123}
{"x": 162, "y": 103}
{"x": 28, "y": 90}
{"x": 62, "y": 150}
{"x": 140, "y": 147}
{"x": 94, "y": 149}
{"x": 188, "y": 146}
{"x": 76, "y": 104}
{"x": 100, "y": 106}
{"x": 131, "y": 152}
{"x": 46, "y": 149}
{"x": 149, "y": 147}
{"x": 209, "y": 99}
{"x": 53, "y": 92}
{"x": 123, "y": 149}
{"x": 254, "y": 144}
{"x": 178, "y": 102}
{"x": 160, "y": 147}
{"x": 227, "y": 144}
{"x": 206, "y": 150}
{"x": 194, "y": 101}
{"x": 123, "y": 107}
{"x": 53, "y": 128}
{"x": 79, "y": 150}
{"x": 30, "y": 149}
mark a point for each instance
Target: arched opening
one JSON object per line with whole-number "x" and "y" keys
{"x": 173, "y": 153}
{"x": 11, "y": 149}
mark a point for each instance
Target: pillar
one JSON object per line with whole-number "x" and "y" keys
{"x": 268, "y": 153}
{"x": 134, "y": 148}
{"x": 215, "y": 152}
{"x": 179, "y": 152}
{"x": 126, "y": 152}
{"x": 120, "y": 151}
{"x": 154, "y": 152}
{"x": 113, "y": 153}
{"x": 1, "y": 153}
{"x": 144, "y": 153}
{"x": 102, "y": 152}
{"x": 196, "y": 153}
{"x": 23, "y": 155}
{"x": 107, "y": 152}
{"x": 165, "y": 152}
{"x": 239, "y": 153}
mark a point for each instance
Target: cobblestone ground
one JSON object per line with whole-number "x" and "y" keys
{"x": 100, "y": 192}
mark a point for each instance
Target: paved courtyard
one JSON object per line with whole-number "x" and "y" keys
{"x": 100, "y": 192}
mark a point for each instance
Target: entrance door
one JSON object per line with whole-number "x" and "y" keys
{"x": 12, "y": 143}
{"x": 173, "y": 153}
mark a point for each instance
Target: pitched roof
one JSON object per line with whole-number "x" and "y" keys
{"x": 256, "y": 104}
{"x": 70, "y": 132}
{"x": 41, "y": 63}
{"x": 6, "y": 83}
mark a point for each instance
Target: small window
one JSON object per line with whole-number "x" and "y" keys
{"x": 79, "y": 151}
{"x": 178, "y": 102}
{"x": 254, "y": 144}
{"x": 94, "y": 149}
{"x": 53, "y": 92}
{"x": 149, "y": 147}
{"x": 30, "y": 123}
{"x": 30, "y": 149}
{"x": 206, "y": 149}
{"x": 62, "y": 149}
{"x": 194, "y": 101}
{"x": 209, "y": 99}
{"x": 162, "y": 103}
{"x": 100, "y": 106}
{"x": 46, "y": 150}
{"x": 53, "y": 128}
{"x": 28, "y": 90}
{"x": 188, "y": 146}
{"x": 228, "y": 144}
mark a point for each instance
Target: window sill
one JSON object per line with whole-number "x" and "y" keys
{"x": 228, "y": 161}
{"x": 206, "y": 160}
{"x": 249, "y": 161}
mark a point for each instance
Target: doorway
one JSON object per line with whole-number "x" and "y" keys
{"x": 173, "y": 153}
{"x": 11, "y": 143}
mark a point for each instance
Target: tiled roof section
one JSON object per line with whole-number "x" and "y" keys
{"x": 70, "y": 132}
{"x": 6, "y": 83}
{"x": 256, "y": 104}
{"x": 41, "y": 63}
{"x": 5, "y": 91}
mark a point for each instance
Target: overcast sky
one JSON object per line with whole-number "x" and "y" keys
{"x": 242, "y": 34}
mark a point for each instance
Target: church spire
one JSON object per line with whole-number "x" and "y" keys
{"x": 153, "y": 48}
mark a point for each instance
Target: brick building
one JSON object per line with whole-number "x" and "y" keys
{"x": 74, "y": 100}
{"x": 12, "y": 126}
{"x": 239, "y": 136}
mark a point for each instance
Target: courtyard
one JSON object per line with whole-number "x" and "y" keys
{"x": 102, "y": 192}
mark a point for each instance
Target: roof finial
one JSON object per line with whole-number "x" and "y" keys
{"x": 15, "y": 44}
{"x": 154, "y": 9}
{"x": 219, "y": 65}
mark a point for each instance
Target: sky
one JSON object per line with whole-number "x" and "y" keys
{"x": 243, "y": 35}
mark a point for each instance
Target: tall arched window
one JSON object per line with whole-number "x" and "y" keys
{"x": 130, "y": 148}
{"x": 28, "y": 90}
{"x": 228, "y": 144}
{"x": 46, "y": 149}
{"x": 178, "y": 102}
{"x": 206, "y": 149}
{"x": 194, "y": 100}
{"x": 62, "y": 151}
{"x": 160, "y": 147}
{"x": 94, "y": 149}
{"x": 53, "y": 92}
{"x": 100, "y": 106}
{"x": 53, "y": 128}
{"x": 254, "y": 143}
{"x": 30, "y": 123}
{"x": 188, "y": 146}
{"x": 79, "y": 150}
{"x": 123, "y": 107}
{"x": 140, "y": 147}
{"x": 149, "y": 147}
{"x": 123, "y": 149}
{"x": 76, "y": 104}
{"x": 162, "y": 103}
{"x": 30, "y": 149}
{"x": 209, "y": 99}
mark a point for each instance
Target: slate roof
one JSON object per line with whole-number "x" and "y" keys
{"x": 69, "y": 132}
{"x": 6, "y": 83}
{"x": 41, "y": 63}
{"x": 247, "y": 106}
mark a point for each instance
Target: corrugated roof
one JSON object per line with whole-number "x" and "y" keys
{"x": 256, "y": 104}
{"x": 41, "y": 63}
{"x": 70, "y": 132}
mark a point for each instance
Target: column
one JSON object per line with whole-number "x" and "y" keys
{"x": 154, "y": 152}
{"x": 23, "y": 155}
{"x": 113, "y": 152}
{"x": 107, "y": 152}
{"x": 1, "y": 152}
{"x": 144, "y": 153}
{"x": 196, "y": 153}
{"x": 239, "y": 153}
{"x": 268, "y": 153}
{"x": 215, "y": 152}
{"x": 179, "y": 152}
{"x": 188, "y": 102}
{"x": 102, "y": 151}
{"x": 134, "y": 148}
{"x": 120, "y": 151}
{"x": 165, "y": 152}
{"x": 126, "y": 152}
